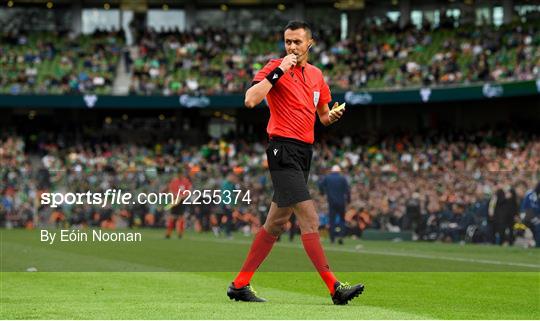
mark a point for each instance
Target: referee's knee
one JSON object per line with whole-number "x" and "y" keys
{"x": 311, "y": 228}
{"x": 274, "y": 229}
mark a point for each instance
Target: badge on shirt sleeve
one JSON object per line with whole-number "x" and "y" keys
{"x": 316, "y": 95}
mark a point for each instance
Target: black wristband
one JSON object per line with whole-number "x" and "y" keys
{"x": 274, "y": 75}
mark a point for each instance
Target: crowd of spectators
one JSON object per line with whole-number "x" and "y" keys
{"x": 438, "y": 185}
{"x": 58, "y": 63}
{"x": 219, "y": 61}
{"x": 424, "y": 57}
{"x": 211, "y": 61}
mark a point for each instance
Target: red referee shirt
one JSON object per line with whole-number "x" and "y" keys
{"x": 179, "y": 184}
{"x": 294, "y": 100}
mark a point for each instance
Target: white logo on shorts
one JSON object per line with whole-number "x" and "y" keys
{"x": 275, "y": 152}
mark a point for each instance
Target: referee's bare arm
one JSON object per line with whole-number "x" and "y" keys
{"x": 256, "y": 93}
{"x": 327, "y": 116}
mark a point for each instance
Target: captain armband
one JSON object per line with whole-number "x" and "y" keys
{"x": 274, "y": 75}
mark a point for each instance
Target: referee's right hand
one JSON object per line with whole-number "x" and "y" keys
{"x": 287, "y": 62}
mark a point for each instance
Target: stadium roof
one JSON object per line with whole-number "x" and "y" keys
{"x": 352, "y": 4}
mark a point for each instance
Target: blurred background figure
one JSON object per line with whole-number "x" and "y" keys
{"x": 179, "y": 188}
{"x": 336, "y": 188}
{"x": 530, "y": 212}
{"x": 503, "y": 211}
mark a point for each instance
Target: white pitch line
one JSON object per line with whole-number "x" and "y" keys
{"x": 413, "y": 255}
{"x": 433, "y": 257}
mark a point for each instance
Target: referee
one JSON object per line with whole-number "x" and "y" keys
{"x": 295, "y": 91}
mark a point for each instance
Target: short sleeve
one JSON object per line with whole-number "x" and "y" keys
{"x": 326, "y": 97}
{"x": 271, "y": 65}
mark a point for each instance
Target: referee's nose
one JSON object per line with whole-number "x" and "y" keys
{"x": 292, "y": 48}
{"x": 294, "y": 51}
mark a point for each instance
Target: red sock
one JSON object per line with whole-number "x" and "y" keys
{"x": 312, "y": 245}
{"x": 180, "y": 226}
{"x": 257, "y": 253}
{"x": 170, "y": 226}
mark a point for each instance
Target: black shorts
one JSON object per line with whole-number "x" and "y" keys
{"x": 289, "y": 161}
{"x": 178, "y": 210}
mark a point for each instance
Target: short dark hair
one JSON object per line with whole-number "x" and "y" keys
{"x": 298, "y": 24}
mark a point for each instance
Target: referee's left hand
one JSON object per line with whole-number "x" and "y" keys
{"x": 335, "y": 115}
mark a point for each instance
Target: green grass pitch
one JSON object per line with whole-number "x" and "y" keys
{"x": 187, "y": 279}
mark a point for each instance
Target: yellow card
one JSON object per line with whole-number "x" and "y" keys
{"x": 340, "y": 107}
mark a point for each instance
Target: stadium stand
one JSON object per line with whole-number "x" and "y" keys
{"x": 215, "y": 61}
{"x": 453, "y": 185}
{"x": 439, "y": 185}
{"x": 57, "y": 63}
{"x": 376, "y": 57}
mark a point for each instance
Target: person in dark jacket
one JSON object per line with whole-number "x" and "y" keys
{"x": 336, "y": 189}
{"x": 530, "y": 212}
{"x": 503, "y": 210}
